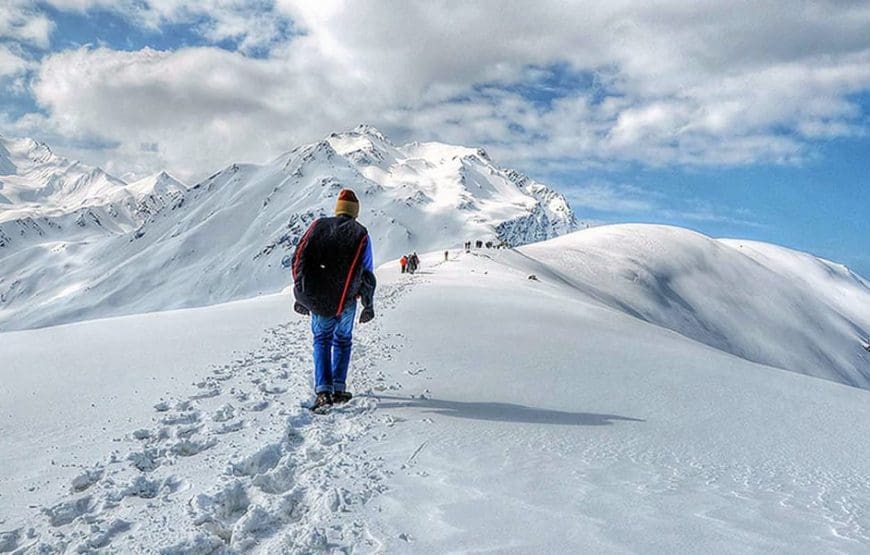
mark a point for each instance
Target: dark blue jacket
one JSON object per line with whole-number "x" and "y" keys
{"x": 333, "y": 263}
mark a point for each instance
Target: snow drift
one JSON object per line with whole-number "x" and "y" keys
{"x": 760, "y": 302}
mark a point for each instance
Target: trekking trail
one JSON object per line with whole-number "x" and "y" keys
{"x": 237, "y": 463}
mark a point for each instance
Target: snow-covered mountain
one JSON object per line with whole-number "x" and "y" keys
{"x": 231, "y": 235}
{"x": 33, "y": 176}
{"x": 514, "y": 415}
{"x": 45, "y": 198}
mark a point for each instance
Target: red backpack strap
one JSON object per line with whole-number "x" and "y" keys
{"x": 301, "y": 247}
{"x": 350, "y": 272}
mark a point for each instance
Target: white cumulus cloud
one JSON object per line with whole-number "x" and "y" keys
{"x": 11, "y": 63}
{"x": 540, "y": 84}
{"x": 20, "y": 21}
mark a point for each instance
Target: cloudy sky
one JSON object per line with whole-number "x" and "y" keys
{"x": 746, "y": 119}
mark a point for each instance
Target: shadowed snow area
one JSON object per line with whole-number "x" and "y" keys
{"x": 761, "y": 302}
{"x": 492, "y": 412}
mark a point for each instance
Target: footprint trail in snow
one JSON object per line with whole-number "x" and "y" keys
{"x": 238, "y": 464}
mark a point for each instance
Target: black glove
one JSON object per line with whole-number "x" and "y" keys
{"x": 367, "y": 315}
{"x": 300, "y": 309}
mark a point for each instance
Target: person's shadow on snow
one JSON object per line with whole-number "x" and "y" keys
{"x": 501, "y": 412}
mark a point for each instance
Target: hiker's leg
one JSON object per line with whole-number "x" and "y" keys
{"x": 342, "y": 340}
{"x": 322, "y": 328}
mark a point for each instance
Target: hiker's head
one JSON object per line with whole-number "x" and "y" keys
{"x": 347, "y": 204}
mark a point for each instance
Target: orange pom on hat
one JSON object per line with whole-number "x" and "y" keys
{"x": 347, "y": 204}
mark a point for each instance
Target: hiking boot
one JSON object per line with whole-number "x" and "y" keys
{"x": 323, "y": 400}
{"x": 341, "y": 397}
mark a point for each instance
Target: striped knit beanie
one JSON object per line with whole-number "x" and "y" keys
{"x": 347, "y": 204}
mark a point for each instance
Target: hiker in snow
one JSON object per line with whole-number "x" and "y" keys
{"x": 332, "y": 267}
{"x": 445, "y": 255}
{"x": 413, "y": 263}
{"x": 404, "y": 262}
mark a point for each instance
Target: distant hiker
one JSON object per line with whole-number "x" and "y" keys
{"x": 478, "y": 244}
{"x": 332, "y": 267}
{"x": 446, "y": 253}
{"x": 412, "y": 263}
{"x": 489, "y": 244}
{"x": 404, "y": 262}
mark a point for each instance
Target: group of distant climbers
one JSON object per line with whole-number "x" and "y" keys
{"x": 487, "y": 244}
{"x": 410, "y": 263}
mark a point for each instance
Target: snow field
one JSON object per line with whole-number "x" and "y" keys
{"x": 237, "y": 464}
{"x": 493, "y": 413}
{"x": 758, "y": 301}
{"x": 551, "y": 423}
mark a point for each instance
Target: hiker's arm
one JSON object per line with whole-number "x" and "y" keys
{"x": 368, "y": 258}
{"x": 369, "y": 282}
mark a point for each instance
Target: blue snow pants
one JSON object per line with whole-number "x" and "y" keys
{"x": 333, "y": 336}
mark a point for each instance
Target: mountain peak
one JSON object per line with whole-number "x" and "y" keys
{"x": 365, "y": 129}
{"x": 23, "y": 152}
{"x": 159, "y": 183}
{"x": 164, "y": 176}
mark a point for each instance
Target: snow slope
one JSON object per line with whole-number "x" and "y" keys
{"x": 493, "y": 413}
{"x": 231, "y": 236}
{"x": 761, "y": 302}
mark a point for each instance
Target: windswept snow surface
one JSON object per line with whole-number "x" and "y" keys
{"x": 761, "y": 302}
{"x": 493, "y": 413}
{"x": 231, "y": 236}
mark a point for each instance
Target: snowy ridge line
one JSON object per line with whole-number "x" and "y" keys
{"x": 238, "y": 466}
{"x": 760, "y": 302}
